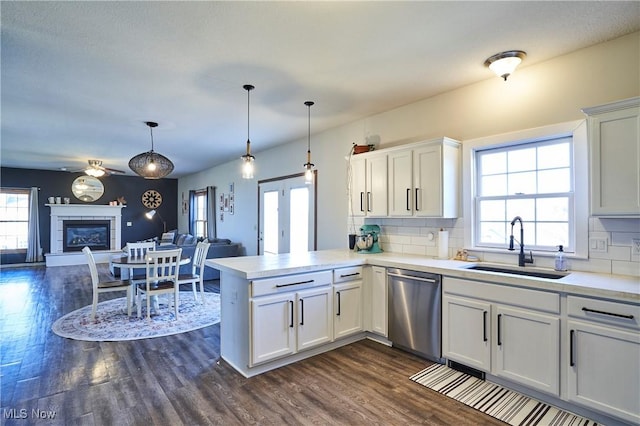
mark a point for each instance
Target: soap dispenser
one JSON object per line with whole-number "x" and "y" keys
{"x": 561, "y": 263}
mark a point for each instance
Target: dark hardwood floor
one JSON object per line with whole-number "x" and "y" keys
{"x": 180, "y": 379}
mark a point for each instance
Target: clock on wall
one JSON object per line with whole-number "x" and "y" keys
{"x": 151, "y": 199}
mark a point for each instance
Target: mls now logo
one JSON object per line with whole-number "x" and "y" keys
{"x": 23, "y": 413}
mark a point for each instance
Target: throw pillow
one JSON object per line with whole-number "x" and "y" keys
{"x": 167, "y": 238}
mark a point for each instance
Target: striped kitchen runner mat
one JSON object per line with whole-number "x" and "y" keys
{"x": 503, "y": 404}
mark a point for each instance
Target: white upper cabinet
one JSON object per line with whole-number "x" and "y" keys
{"x": 614, "y": 151}
{"x": 424, "y": 179}
{"x": 369, "y": 185}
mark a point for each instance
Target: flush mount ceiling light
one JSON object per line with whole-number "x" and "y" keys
{"x": 248, "y": 159}
{"x": 504, "y": 63}
{"x": 95, "y": 169}
{"x": 150, "y": 164}
{"x": 308, "y": 166}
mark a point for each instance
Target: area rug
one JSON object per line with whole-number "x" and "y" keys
{"x": 112, "y": 323}
{"x": 503, "y": 404}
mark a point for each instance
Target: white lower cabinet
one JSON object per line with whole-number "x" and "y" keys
{"x": 604, "y": 356}
{"x": 487, "y": 327}
{"x": 290, "y": 321}
{"x": 347, "y": 302}
{"x": 378, "y": 302}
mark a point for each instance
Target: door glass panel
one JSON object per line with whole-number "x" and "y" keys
{"x": 271, "y": 222}
{"x": 299, "y": 220}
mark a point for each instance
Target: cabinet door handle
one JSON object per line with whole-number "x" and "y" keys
{"x": 349, "y": 275}
{"x": 499, "y": 330}
{"x": 338, "y": 294}
{"x": 572, "y": 361}
{"x": 368, "y": 201}
{"x": 301, "y": 311}
{"x": 291, "y": 313}
{"x": 296, "y": 283}
{"x": 607, "y": 313}
{"x": 408, "y": 197}
{"x": 484, "y": 326}
{"x": 417, "y": 198}
{"x": 362, "y": 201}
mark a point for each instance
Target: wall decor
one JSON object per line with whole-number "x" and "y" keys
{"x": 151, "y": 199}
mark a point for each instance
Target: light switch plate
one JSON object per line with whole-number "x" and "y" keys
{"x": 598, "y": 245}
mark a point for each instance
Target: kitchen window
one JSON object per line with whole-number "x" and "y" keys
{"x": 531, "y": 180}
{"x": 539, "y": 175}
{"x": 14, "y": 219}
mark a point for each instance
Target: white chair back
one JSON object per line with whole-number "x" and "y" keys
{"x": 163, "y": 265}
{"x": 199, "y": 256}
{"x": 139, "y": 250}
{"x": 91, "y": 261}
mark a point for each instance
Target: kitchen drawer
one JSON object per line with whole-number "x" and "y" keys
{"x": 347, "y": 274}
{"x": 502, "y": 293}
{"x": 604, "y": 311}
{"x": 289, "y": 283}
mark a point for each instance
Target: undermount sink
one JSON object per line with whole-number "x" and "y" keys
{"x": 554, "y": 275}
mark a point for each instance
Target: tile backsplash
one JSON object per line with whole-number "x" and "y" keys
{"x": 420, "y": 236}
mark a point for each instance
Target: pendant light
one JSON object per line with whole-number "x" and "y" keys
{"x": 150, "y": 164}
{"x": 248, "y": 159}
{"x": 308, "y": 166}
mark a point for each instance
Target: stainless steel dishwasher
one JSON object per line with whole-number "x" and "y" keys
{"x": 415, "y": 309}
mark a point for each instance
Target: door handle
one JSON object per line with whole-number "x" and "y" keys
{"x": 417, "y": 198}
{"x": 291, "y": 313}
{"x": 338, "y": 294}
{"x": 301, "y": 311}
{"x": 368, "y": 201}
{"x": 572, "y": 361}
{"x": 361, "y": 201}
{"x": 499, "y": 330}
{"x": 408, "y": 197}
{"x": 484, "y": 326}
{"x": 607, "y": 313}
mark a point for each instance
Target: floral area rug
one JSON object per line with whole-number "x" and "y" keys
{"x": 112, "y": 323}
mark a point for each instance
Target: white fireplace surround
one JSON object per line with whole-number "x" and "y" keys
{"x": 62, "y": 212}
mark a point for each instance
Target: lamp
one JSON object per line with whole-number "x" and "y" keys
{"x": 151, "y": 213}
{"x": 505, "y": 63}
{"x": 93, "y": 170}
{"x": 248, "y": 159}
{"x": 308, "y": 166}
{"x": 150, "y": 164}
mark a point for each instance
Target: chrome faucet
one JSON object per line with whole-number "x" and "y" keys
{"x": 522, "y": 259}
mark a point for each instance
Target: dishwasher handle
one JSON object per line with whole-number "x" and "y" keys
{"x": 413, "y": 277}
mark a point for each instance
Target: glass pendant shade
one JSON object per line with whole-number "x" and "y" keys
{"x": 94, "y": 172}
{"x": 308, "y": 166}
{"x": 505, "y": 63}
{"x": 248, "y": 159}
{"x": 150, "y": 164}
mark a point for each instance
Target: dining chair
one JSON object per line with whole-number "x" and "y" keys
{"x": 140, "y": 249}
{"x": 104, "y": 286}
{"x": 197, "y": 271}
{"x": 161, "y": 278}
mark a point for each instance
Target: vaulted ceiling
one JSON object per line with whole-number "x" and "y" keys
{"x": 79, "y": 79}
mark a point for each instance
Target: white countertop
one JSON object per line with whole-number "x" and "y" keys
{"x": 615, "y": 287}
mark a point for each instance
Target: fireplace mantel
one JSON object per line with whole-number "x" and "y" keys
{"x": 62, "y": 212}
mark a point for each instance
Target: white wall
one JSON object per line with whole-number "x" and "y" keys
{"x": 537, "y": 95}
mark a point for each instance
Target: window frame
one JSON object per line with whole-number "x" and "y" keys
{"x": 18, "y": 191}
{"x": 200, "y": 195}
{"x": 569, "y": 245}
{"x": 575, "y": 129}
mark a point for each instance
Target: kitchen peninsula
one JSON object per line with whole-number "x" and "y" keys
{"x": 279, "y": 309}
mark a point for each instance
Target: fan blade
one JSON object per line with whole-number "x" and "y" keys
{"x": 107, "y": 169}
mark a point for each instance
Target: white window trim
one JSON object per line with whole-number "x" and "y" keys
{"x": 578, "y": 129}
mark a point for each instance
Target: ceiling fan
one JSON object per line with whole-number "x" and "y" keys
{"x": 96, "y": 169}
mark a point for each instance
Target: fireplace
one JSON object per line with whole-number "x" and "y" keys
{"x": 77, "y": 234}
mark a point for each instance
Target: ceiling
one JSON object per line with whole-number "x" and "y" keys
{"x": 79, "y": 79}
